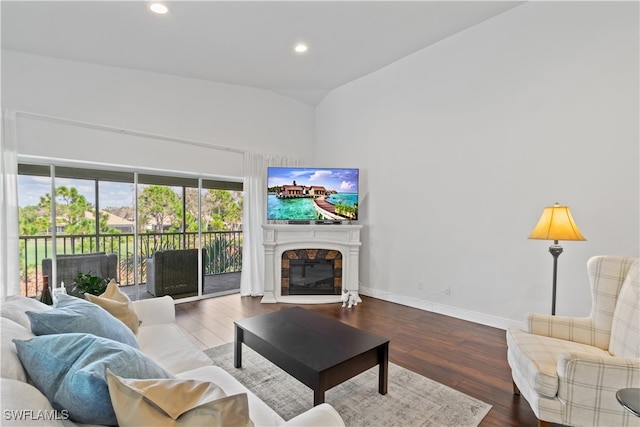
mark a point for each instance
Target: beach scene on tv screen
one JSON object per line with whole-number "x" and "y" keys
{"x": 312, "y": 194}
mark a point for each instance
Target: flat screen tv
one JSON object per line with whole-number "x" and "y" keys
{"x": 312, "y": 194}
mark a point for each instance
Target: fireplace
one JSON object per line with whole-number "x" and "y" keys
{"x": 311, "y": 272}
{"x": 312, "y": 248}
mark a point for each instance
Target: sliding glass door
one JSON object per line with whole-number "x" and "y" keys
{"x": 132, "y": 215}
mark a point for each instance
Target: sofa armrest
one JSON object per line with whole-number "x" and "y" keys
{"x": 588, "y": 384}
{"x": 155, "y": 311}
{"x": 576, "y": 329}
{"x": 323, "y": 415}
{"x": 589, "y": 377}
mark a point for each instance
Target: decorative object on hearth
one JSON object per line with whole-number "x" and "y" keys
{"x": 556, "y": 223}
{"x": 350, "y": 299}
{"x": 344, "y": 297}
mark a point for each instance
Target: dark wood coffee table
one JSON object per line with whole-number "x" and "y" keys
{"x": 318, "y": 351}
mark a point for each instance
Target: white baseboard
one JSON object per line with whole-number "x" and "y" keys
{"x": 447, "y": 310}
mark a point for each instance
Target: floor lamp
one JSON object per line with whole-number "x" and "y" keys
{"x": 556, "y": 223}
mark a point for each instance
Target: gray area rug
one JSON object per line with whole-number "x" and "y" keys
{"x": 412, "y": 400}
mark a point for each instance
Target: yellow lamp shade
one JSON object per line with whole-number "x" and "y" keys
{"x": 556, "y": 223}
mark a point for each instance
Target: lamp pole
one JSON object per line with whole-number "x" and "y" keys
{"x": 555, "y": 250}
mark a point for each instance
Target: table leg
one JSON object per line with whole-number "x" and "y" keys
{"x": 318, "y": 397}
{"x": 383, "y": 374}
{"x": 237, "y": 349}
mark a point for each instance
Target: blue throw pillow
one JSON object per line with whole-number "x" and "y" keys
{"x": 73, "y": 314}
{"x": 71, "y": 371}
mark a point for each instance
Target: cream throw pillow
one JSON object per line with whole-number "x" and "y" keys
{"x": 118, "y": 304}
{"x": 175, "y": 402}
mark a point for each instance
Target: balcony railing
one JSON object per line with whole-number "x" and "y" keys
{"x": 224, "y": 253}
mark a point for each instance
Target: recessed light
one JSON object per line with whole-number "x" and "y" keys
{"x": 159, "y": 8}
{"x": 301, "y": 48}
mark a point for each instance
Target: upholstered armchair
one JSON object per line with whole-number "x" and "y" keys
{"x": 174, "y": 272}
{"x": 569, "y": 368}
{"x": 98, "y": 264}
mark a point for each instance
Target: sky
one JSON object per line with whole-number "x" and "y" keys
{"x": 112, "y": 194}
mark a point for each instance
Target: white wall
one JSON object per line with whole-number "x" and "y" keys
{"x": 211, "y": 113}
{"x": 462, "y": 145}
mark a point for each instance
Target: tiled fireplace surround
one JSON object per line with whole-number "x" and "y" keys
{"x": 305, "y": 271}
{"x": 289, "y": 239}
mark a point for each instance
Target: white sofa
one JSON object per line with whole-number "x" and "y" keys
{"x": 159, "y": 337}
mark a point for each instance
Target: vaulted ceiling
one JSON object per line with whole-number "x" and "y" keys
{"x": 247, "y": 43}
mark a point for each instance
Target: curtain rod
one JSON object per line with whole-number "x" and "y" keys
{"x": 130, "y": 132}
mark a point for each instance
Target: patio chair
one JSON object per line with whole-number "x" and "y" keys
{"x": 174, "y": 272}
{"x": 98, "y": 264}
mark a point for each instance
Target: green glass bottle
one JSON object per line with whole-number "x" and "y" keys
{"x": 46, "y": 297}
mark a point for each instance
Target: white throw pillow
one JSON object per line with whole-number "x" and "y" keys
{"x": 11, "y": 366}
{"x": 15, "y": 306}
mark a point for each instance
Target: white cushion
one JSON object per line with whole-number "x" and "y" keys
{"x": 155, "y": 311}
{"x": 11, "y": 366}
{"x": 23, "y": 405}
{"x": 14, "y": 307}
{"x": 170, "y": 348}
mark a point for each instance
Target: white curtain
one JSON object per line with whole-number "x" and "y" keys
{"x": 9, "y": 248}
{"x": 255, "y": 214}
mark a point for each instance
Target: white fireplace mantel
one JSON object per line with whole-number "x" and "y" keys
{"x": 279, "y": 238}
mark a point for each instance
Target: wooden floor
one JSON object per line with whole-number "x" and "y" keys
{"x": 466, "y": 356}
